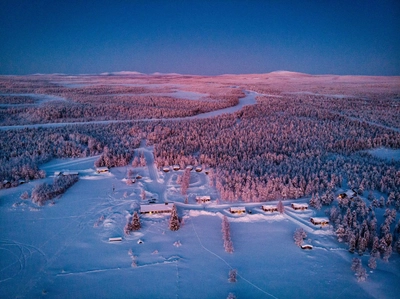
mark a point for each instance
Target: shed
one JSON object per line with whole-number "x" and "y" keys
{"x": 156, "y": 208}
{"x": 299, "y": 206}
{"x": 203, "y": 199}
{"x": 270, "y": 208}
{"x": 319, "y": 221}
{"x": 102, "y": 169}
{"x": 237, "y": 210}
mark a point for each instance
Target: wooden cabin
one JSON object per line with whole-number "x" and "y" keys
{"x": 299, "y": 206}
{"x": 237, "y": 210}
{"x": 199, "y": 169}
{"x": 269, "y": 208}
{"x": 176, "y": 167}
{"x": 319, "y": 221}
{"x": 156, "y": 208}
{"x": 190, "y": 167}
{"x": 165, "y": 168}
{"x": 203, "y": 199}
{"x": 102, "y": 169}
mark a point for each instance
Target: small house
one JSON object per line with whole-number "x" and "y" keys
{"x": 165, "y": 168}
{"x": 269, "y": 208}
{"x": 203, "y": 199}
{"x": 102, "y": 169}
{"x": 190, "y": 167}
{"x": 319, "y": 221}
{"x": 156, "y": 208}
{"x": 237, "y": 210}
{"x": 198, "y": 169}
{"x": 176, "y": 167}
{"x": 299, "y": 206}
{"x": 138, "y": 177}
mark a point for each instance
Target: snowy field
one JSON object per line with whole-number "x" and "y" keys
{"x": 62, "y": 250}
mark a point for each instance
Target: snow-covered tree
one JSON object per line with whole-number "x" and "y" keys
{"x": 135, "y": 222}
{"x": 232, "y": 275}
{"x": 299, "y": 236}
{"x": 226, "y": 235}
{"x": 174, "y": 220}
{"x": 372, "y": 262}
{"x": 280, "y": 207}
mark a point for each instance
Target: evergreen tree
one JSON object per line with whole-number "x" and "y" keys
{"x": 299, "y": 236}
{"x": 174, "y": 220}
{"x": 372, "y": 262}
{"x": 135, "y": 225}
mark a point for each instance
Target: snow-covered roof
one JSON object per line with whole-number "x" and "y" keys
{"x": 350, "y": 193}
{"x": 269, "y": 207}
{"x": 156, "y": 208}
{"x": 104, "y": 168}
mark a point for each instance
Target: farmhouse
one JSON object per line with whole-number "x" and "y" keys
{"x": 269, "y": 208}
{"x": 156, "y": 208}
{"x": 237, "y": 210}
{"x": 299, "y": 206}
{"x": 101, "y": 169}
{"x": 319, "y": 221}
{"x": 203, "y": 199}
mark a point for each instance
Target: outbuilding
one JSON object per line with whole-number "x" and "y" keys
{"x": 166, "y": 169}
{"x": 198, "y": 168}
{"x": 299, "y": 206}
{"x": 176, "y": 167}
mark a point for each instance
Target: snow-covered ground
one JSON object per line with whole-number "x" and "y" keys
{"x": 61, "y": 250}
{"x": 386, "y": 153}
{"x": 39, "y": 99}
